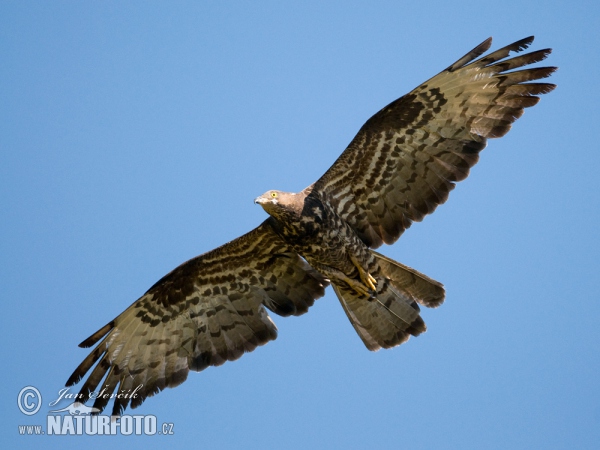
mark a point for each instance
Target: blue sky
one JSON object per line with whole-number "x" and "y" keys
{"x": 135, "y": 136}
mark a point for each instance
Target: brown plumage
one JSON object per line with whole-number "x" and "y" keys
{"x": 401, "y": 165}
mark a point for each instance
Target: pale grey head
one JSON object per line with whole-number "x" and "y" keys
{"x": 278, "y": 203}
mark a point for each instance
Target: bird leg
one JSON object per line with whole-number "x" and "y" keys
{"x": 357, "y": 286}
{"x": 365, "y": 276}
{"x": 361, "y": 289}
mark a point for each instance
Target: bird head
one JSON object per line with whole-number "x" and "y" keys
{"x": 277, "y": 203}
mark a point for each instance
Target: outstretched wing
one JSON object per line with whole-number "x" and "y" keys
{"x": 207, "y": 311}
{"x": 406, "y": 158}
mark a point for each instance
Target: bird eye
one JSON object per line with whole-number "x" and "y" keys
{"x": 273, "y": 194}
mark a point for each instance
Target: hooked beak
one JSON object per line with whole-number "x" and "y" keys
{"x": 259, "y": 200}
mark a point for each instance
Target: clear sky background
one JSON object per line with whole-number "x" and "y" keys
{"x": 135, "y": 135}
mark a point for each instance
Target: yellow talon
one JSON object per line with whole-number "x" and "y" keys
{"x": 361, "y": 290}
{"x": 371, "y": 282}
{"x": 368, "y": 280}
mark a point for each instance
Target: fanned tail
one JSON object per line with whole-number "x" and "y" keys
{"x": 414, "y": 284}
{"x": 393, "y": 316}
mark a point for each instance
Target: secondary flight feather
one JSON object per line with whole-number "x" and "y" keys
{"x": 401, "y": 165}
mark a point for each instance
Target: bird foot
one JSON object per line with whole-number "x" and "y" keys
{"x": 362, "y": 290}
{"x": 367, "y": 279}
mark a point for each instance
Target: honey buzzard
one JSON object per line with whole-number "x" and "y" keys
{"x": 400, "y": 166}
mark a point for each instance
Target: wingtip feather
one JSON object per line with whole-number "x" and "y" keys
{"x": 470, "y": 56}
{"x": 97, "y": 335}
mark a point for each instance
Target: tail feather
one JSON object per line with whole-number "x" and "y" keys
{"x": 426, "y": 291}
{"x": 376, "y": 325}
{"x": 393, "y": 316}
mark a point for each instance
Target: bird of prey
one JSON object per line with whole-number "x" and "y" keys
{"x": 400, "y": 166}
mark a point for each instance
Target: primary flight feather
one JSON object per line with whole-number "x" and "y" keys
{"x": 400, "y": 166}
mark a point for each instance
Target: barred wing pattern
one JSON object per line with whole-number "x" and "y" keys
{"x": 207, "y": 311}
{"x": 403, "y": 162}
{"x": 405, "y": 159}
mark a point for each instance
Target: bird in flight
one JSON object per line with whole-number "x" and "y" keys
{"x": 400, "y": 166}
